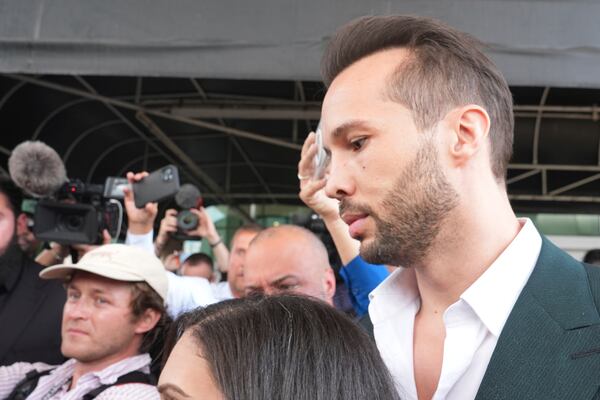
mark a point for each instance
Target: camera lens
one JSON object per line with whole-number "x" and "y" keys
{"x": 186, "y": 220}
{"x": 71, "y": 222}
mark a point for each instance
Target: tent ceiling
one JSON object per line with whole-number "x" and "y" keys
{"x": 228, "y": 89}
{"x": 239, "y": 140}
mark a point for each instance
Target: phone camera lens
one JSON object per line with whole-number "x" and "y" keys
{"x": 167, "y": 174}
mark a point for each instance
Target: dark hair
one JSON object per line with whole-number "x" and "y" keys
{"x": 445, "y": 69}
{"x": 198, "y": 258}
{"x": 287, "y": 347}
{"x": 13, "y": 195}
{"x": 250, "y": 227}
{"x": 144, "y": 297}
{"x": 592, "y": 257}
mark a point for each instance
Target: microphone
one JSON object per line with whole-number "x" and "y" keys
{"x": 36, "y": 168}
{"x": 188, "y": 197}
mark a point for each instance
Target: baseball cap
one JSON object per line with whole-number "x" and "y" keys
{"x": 119, "y": 262}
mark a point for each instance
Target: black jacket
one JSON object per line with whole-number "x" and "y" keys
{"x": 30, "y": 312}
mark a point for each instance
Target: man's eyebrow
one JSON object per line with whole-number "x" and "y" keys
{"x": 165, "y": 387}
{"x": 350, "y": 125}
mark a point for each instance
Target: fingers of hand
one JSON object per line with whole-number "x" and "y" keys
{"x": 310, "y": 139}
{"x": 305, "y": 166}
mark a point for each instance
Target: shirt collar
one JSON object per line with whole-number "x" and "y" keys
{"x": 399, "y": 288}
{"x": 493, "y": 295}
{"x": 110, "y": 374}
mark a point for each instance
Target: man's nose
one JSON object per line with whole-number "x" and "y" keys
{"x": 78, "y": 310}
{"x": 340, "y": 182}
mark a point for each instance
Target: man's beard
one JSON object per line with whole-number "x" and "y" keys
{"x": 414, "y": 212}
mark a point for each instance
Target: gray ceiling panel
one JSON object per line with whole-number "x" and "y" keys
{"x": 535, "y": 43}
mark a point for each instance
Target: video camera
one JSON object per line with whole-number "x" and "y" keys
{"x": 69, "y": 211}
{"x": 78, "y": 213}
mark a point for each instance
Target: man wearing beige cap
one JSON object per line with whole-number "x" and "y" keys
{"x": 113, "y": 314}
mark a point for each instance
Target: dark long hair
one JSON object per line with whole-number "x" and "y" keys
{"x": 287, "y": 347}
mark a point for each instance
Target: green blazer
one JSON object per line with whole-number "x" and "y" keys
{"x": 550, "y": 345}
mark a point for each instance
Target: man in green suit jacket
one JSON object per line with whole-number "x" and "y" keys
{"x": 417, "y": 130}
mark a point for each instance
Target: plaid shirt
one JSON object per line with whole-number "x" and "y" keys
{"x": 55, "y": 386}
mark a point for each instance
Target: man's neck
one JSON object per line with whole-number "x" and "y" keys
{"x": 82, "y": 368}
{"x": 468, "y": 245}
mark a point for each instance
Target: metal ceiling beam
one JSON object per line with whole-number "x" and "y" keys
{"x": 127, "y": 167}
{"x": 574, "y": 185}
{"x": 183, "y": 156}
{"x": 126, "y": 142}
{"x": 573, "y": 199}
{"x": 287, "y": 110}
{"x": 10, "y": 93}
{"x": 239, "y": 148}
{"x": 252, "y": 112}
{"x": 93, "y": 94}
{"x": 538, "y": 124}
{"x": 63, "y": 107}
{"x": 555, "y": 167}
{"x": 522, "y": 176}
{"x": 130, "y": 106}
{"x": 81, "y": 136}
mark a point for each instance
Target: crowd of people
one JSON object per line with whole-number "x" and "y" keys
{"x": 451, "y": 295}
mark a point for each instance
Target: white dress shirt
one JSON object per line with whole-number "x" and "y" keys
{"x": 473, "y": 324}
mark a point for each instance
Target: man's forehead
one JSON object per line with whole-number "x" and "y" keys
{"x": 354, "y": 91}
{"x": 84, "y": 277}
{"x": 243, "y": 238}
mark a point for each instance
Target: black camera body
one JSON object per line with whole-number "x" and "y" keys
{"x": 78, "y": 213}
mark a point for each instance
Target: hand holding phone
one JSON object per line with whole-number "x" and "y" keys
{"x": 157, "y": 186}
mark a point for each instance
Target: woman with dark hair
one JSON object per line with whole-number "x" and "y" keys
{"x": 279, "y": 347}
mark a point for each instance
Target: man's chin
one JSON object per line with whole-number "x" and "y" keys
{"x": 375, "y": 252}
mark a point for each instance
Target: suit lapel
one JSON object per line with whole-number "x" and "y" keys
{"x": 547, "y": 347}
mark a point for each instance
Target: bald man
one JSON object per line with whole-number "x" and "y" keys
{"x": 288, "y": 259}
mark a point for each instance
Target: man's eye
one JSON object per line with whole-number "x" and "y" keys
{"x": 358, "y": 143}
{"x": 286, "y": 287}
{"x": 101, "y": 301}
{"x": 253, "y": 292}
{"x": 72, "y": 296}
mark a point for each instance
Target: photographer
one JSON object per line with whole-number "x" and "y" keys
{"x": 204, "y": 229}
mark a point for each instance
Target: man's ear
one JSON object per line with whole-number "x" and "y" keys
{"x": 330, "y": 285}
{"x": 470, "y": 126}
{"x": 22, "y": 223}
{"x": 147, "y": 321}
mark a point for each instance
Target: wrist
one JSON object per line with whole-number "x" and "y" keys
{"x": 215, "y": 243}
{"x": 213, "y": 237}
{"x": 140, "y": 228}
